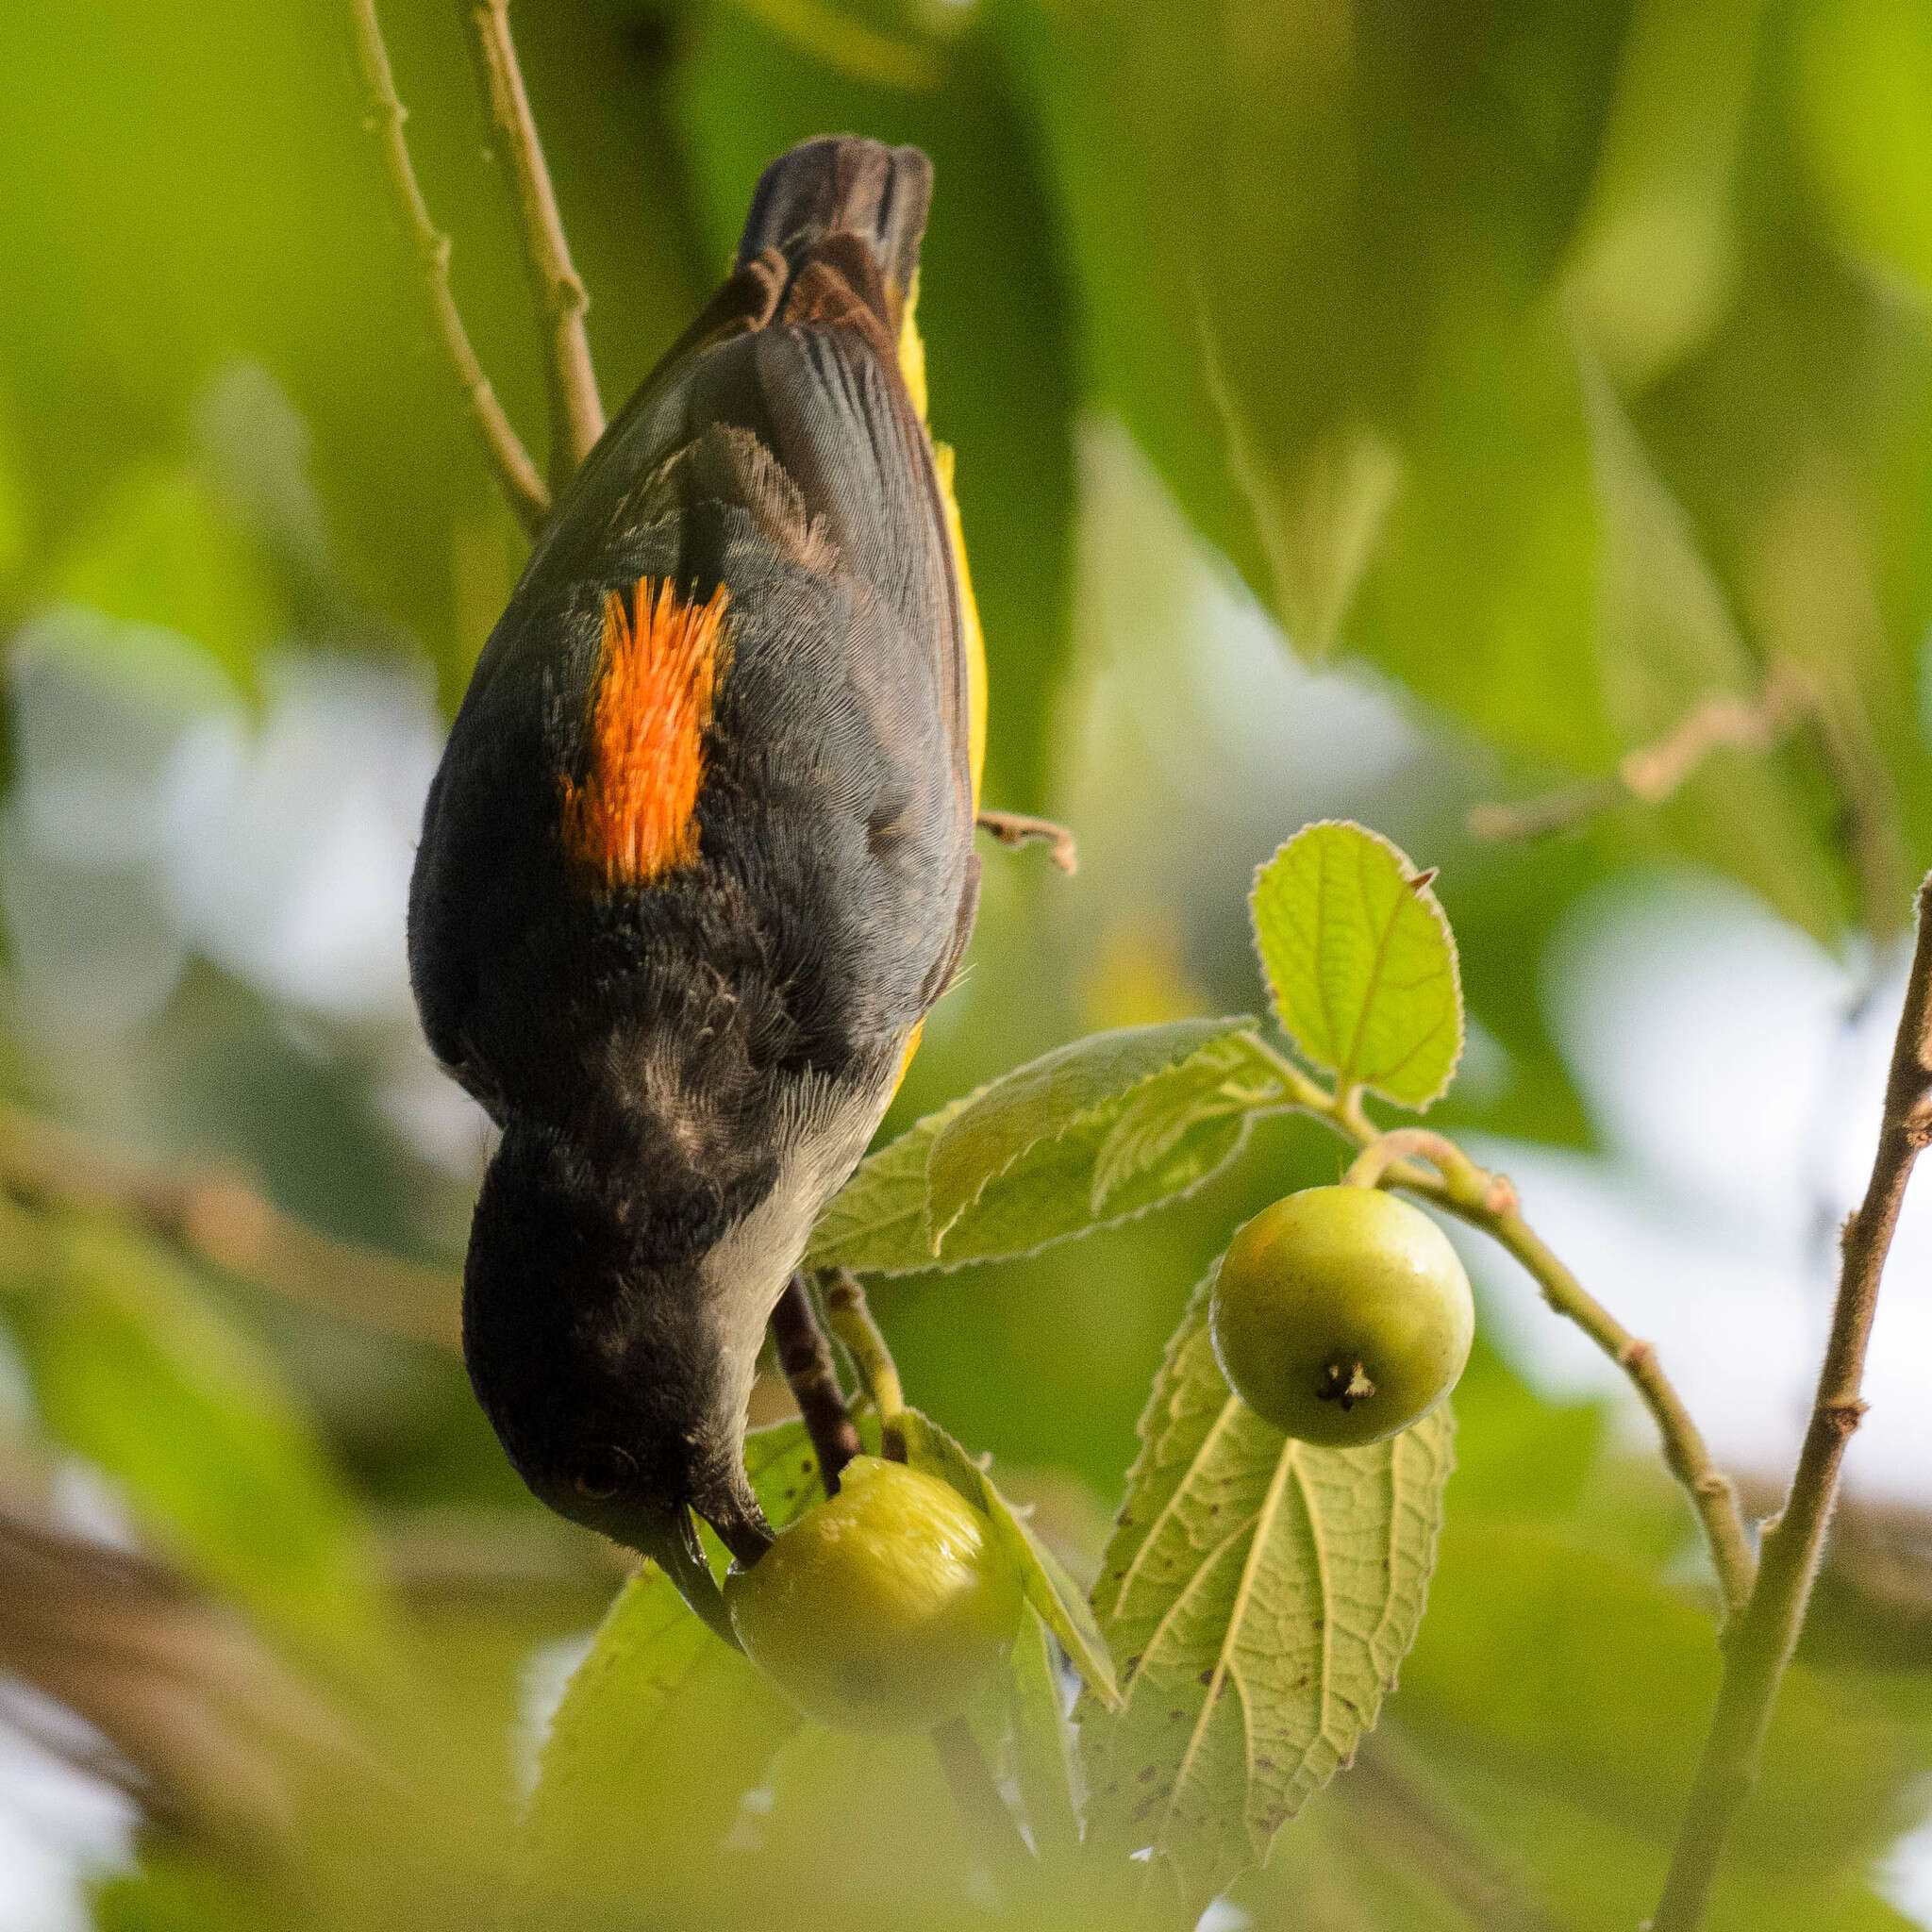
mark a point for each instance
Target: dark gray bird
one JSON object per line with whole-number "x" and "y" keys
{"x": 698, "y": 859}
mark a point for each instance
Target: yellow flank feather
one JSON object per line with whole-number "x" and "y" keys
{"x": 969, "y": 611}
{"x": 912, "y": 349}
{"x": 910, "y": 1048}
{"x": 912, "y": 366}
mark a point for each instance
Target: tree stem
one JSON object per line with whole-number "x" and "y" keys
{"x": 576, "y": 412}
{"x": 509, "y": 461}
{"x": 851, "y": 1320}
{"x": 219, "y": 1219}
{"x": 1767, "y": 1632}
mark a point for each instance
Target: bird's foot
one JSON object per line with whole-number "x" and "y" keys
{"x": 1015, "y": 828}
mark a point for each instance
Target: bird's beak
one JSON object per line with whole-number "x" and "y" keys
{"x": 671, "y": 1542}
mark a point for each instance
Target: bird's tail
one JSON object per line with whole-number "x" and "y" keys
{"x": 840, "y": 183}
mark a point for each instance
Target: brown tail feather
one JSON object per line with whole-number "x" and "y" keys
{"x": 840, "y": 185}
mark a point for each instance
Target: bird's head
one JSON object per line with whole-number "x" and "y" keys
{"x": 611, "y": 1322}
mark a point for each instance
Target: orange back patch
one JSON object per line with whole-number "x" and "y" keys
{"x": 634, "y": 814}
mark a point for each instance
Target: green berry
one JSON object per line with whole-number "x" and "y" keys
{"x": 1341, "y": 1315}
{"x": 883, "y": 1609}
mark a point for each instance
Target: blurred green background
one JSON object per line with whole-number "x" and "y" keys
{"x": 1361, "y": 410}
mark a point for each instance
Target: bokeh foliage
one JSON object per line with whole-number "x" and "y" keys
{"x": 1565, "y": 366}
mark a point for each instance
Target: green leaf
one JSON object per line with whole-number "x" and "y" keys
{"x": 1655, "y": 269}
{"x": 861, "y": 1832}
{"x": 1364, "y": 380}
{"x": 1203, "y": 1091}
{"x": 1091, "y": 1134}
{"x": 176, "y": 1889}
{"x": 662, "y": 1730}
{"x": 135, "y": 1367}
{"x": 875, "y": 1225}
{"x": 1259, "y": 1594}
{"x": 1585, "y": 1668}
{"x": 1042, "y": 1742}
{"x": 1049, "y": 1589}
{"x": 784, "y": 1471}
{"x": 1672, "y": 644}
{"x": 1004, "y": 1141}
{"x": 1863, "y": 97}
{"x": 1360, "y": 962}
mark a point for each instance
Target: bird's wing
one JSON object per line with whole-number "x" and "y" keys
{"x": 779, "y": 452}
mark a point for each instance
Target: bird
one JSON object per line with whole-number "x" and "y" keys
{"x": 697, "y": 860}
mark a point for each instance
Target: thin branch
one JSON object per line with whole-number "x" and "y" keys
{"x": 211, "y": 1733}
{"x": 1488, "y": 1202}
{"x": 576, "y": 412}
{"x": 1654, "y": 773}
{"x": 1767, "y": 1633}
{"x": 1684, "y": 1451}
{"x": 806, "y": 1358}
{"x": 1014, "y": 829}
{"x": 509, "y": 461}
{"x": 850, "y": 1316}
{"x": 219, "y": 1219}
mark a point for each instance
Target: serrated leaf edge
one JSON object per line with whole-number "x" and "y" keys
{"x": 1156, "y": 1416}
{"x": 1111, "y": 1173}
{"x": 1233, "y": 1023}
{"x": 1426, "y": 896}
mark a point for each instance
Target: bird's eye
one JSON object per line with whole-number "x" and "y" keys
{"x": 603, "y": 1471}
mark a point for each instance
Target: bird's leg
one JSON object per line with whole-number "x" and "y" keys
{"x": 1015, "y": 828}
{"x": 806, "y": 1357}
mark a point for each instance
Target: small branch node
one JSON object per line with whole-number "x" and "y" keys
{"x": 1844, "y": 1417}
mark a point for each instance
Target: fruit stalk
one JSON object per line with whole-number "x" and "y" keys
{"x": 1488, "y": 1202}
{"x": 851, "y": 1319}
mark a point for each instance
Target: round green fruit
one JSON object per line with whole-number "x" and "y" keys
{"x": 1341, "y": 1315}
{"x": 883, "y": 1609}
